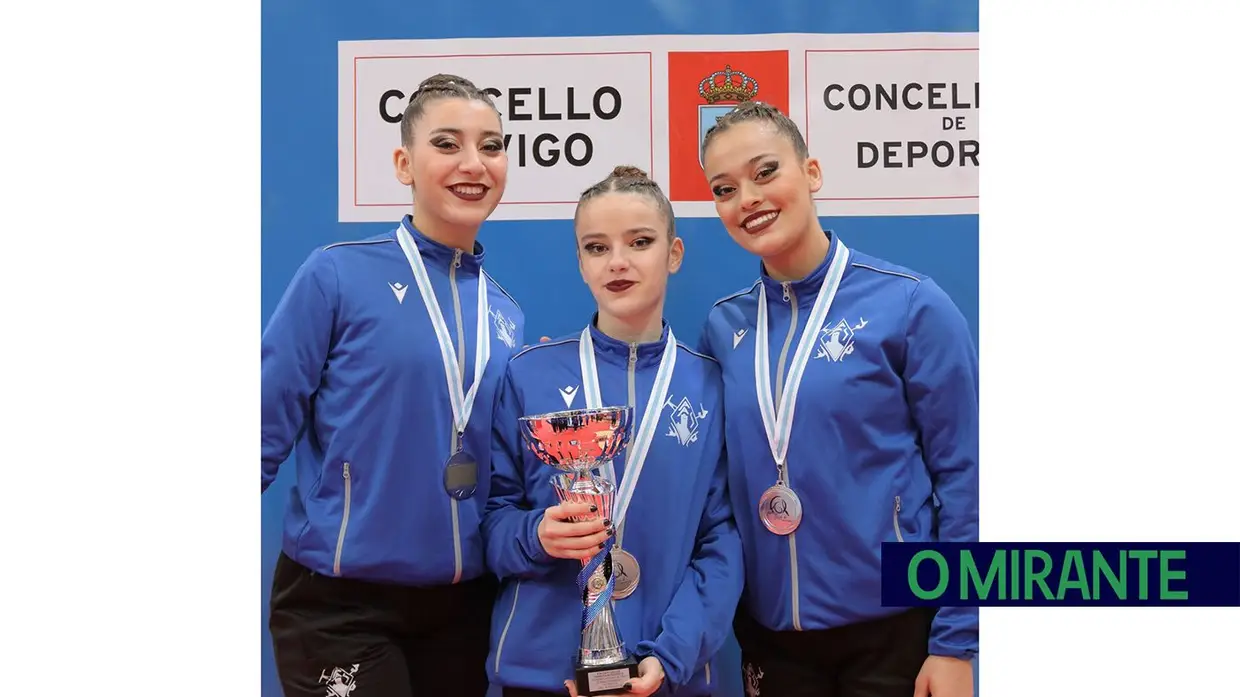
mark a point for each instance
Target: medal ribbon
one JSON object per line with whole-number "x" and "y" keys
{"x": 636, "y": 458}
{"x": 779, "y": 424}
{"x": 462, "y": 401}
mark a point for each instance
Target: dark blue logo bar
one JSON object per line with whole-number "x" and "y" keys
{"x": 1039, "y": 574}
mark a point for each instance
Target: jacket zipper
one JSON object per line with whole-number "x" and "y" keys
{"x": 499, "y": 647}
{"x": 344, "y": 519}
{"x": 633, "y": 376}
{"x": 895, "y": 520}
{"x": 790, "y": 298}
{"x": 708, "y": 672}
{"x": 460, "y": 362}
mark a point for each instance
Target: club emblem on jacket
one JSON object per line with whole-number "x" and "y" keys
{"x": 684, "y": 420}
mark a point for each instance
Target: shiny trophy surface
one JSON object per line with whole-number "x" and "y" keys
{"x": 577, "y": 442}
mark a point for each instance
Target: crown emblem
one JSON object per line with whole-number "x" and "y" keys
{"x": 728, "y": 85}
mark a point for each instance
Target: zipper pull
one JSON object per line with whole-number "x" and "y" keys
{"x": 346, "y": 470}
{"x": 456, "y": 258}
{"x": 632, "y": 353}
{"x": 895, "y": 521}
{"x": 787, "y": 290}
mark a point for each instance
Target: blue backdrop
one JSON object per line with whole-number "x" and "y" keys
{"x": 299, "y": 175}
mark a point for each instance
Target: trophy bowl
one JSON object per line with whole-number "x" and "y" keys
{"x": 577, "y": 442}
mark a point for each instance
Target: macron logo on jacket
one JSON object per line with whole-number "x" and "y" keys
{"x": 569, "y": 394}
{"x": 399, "y": 289}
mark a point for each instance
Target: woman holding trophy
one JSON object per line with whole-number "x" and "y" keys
{"x": 609, "y": 522}
{"x": 852, "y": 419}
{"x": 372, "y": 366}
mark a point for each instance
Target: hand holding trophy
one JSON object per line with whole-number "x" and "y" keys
{"x": 578, "y": 442}
{"x": 574, "y": 531}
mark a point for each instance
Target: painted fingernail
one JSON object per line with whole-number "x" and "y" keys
{"x": 628, "y": 686}
{"x": 593, "y": 508}
{"x": 607, "y": 522}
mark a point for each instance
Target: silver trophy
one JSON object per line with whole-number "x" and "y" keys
{"x": 578, "y": 442}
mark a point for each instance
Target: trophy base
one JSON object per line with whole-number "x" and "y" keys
{"x": 605, "y": 679}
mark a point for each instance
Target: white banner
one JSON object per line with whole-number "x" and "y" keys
{"x": 568, "y": 119}
{"x": 895, "y": 121}
{"x": 575, "y": 107}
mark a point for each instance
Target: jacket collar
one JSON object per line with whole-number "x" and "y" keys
{"x": 805, "y": 288}
{"x": 616, "y": 351}
{"x": 439, "y": 255}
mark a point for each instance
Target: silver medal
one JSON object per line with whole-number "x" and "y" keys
{"x": 780, "y": 510}
{"x": 625, "y": 570}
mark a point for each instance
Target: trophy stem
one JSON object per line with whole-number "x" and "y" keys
{"x": 600, "y": 637}
{"x": 601, "y": 644}
{"x": 600, "y": 640}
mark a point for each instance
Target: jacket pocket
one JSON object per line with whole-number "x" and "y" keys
{"x": 344, "y": 519}
{"x": 895, "y": 519}
{"x": 499, "y": 647}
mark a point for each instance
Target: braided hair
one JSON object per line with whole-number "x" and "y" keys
{"x": 440, "y": 86}
{"x": 630, "y": 179}
{"x": 758, "y": 111}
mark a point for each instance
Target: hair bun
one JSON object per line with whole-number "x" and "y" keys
{"x": 442, "y": 80}
{"x": 628, "y": 172}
